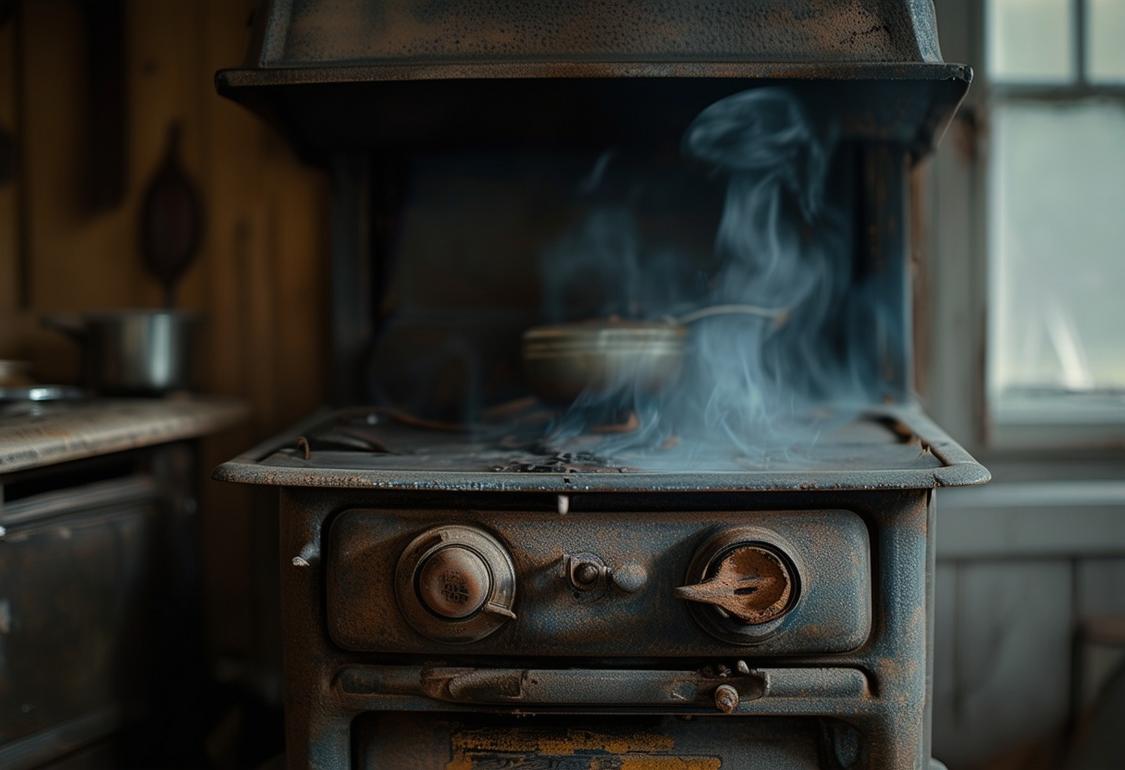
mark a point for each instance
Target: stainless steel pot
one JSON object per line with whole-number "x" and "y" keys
{"x": 134, "y": 352}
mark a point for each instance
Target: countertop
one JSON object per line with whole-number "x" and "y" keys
{"x": 73, "y": 431}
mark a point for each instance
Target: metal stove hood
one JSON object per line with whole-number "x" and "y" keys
{"x": 350, "y": 74}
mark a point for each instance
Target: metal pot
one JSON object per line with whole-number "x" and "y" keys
{"x": 134, "y": 352}
{"x": 563, "y": 361}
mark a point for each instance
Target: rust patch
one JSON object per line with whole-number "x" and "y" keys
{"x": 582, "y": 750}
{"x": 753, "y": 584}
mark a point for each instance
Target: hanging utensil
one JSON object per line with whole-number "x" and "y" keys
{"x": 171, "y": 225}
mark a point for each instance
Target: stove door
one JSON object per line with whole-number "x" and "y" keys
{"x": 484, "y": 742}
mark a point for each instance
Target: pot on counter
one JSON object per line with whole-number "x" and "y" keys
{"x": 134, "y": 352}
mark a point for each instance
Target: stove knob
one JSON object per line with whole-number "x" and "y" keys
{"x": 751, "y": 582}
{"x": 453, "y": 582}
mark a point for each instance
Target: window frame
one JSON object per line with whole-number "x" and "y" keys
{"x": 957, "y": 266}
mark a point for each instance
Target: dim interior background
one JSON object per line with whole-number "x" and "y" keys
{"x": 77, "y": 161}
{"x": 1018, "y": 269}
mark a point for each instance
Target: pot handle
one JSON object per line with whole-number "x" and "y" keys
{"x": 68, "y": 325}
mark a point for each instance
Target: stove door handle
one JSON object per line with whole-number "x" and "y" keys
{"x": 592, "y": 687}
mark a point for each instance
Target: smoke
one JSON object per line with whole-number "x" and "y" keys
{"x": 754, "y": 383}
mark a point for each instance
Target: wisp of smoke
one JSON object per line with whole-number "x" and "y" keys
{"x": 749, "y": 384}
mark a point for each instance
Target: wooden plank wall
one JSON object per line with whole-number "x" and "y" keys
{"x": 258, "y": 277}
{"x": 1027, "y": 569}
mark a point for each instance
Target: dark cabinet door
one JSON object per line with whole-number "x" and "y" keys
{"x": 76, "y": 581}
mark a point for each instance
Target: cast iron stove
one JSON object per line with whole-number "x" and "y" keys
{"x": 450, "y": 577}
{"x": 502, "y": 594}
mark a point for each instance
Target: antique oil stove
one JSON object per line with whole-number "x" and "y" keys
{"x": 458, "y": 597}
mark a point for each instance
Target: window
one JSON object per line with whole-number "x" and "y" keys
{"x": 1056, "y": 209}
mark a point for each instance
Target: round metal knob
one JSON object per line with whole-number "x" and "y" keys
{"x": 750, "y": 582}
{"x": 454, "y": 582}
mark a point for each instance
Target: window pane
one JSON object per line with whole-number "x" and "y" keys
{"x": 1030, "y": 40}
{"x": 1058, "y": 246}
{"x": 1105, "y": 30}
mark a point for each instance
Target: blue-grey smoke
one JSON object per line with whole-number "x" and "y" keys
{"x": 755, "y": 384}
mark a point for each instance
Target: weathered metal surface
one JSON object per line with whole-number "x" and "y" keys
{"x": 912, "y": 453}
{"x": 331, "y": 73}
{"x": 363, "y": 687}
{"x": 887, "y": 711}
{"x": 591, "y": 687}
{"x": 308, "y": 32}
{"x": 73, "y": 431}
{"x": 881, "y": 293}
{"x": 752, "y": 582}
{"x": 468, "y": 742}
{"x": 407, "y": 108}
{"x": 553, "y": 619}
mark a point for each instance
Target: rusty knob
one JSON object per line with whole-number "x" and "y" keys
{"x": 751, "y": 583}
{"x": 454, "y": 582}
{"x": 726, "y": 698}
{"x": 587, "y": 573}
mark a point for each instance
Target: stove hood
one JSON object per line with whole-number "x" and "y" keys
{"x": 340, "y": 75}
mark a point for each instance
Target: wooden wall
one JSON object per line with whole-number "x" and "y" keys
{"x": 1027, "y": 574}
{"x": 258, "y": 275}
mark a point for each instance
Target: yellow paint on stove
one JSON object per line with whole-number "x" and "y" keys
{"x": 603, "y": 751}
{"x": 554, "y": 743}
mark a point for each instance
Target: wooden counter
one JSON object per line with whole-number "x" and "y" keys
{"x": 73, "y": 431}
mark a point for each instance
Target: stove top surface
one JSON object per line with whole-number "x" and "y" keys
{"x": 385, "y": 449}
